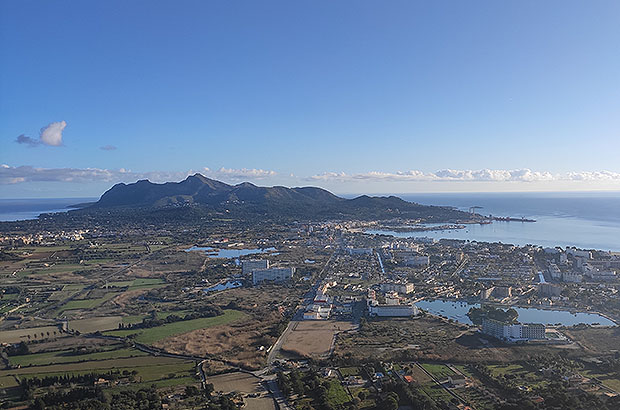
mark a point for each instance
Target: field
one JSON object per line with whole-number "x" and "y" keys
{"x": 18, "y": 335}
{"x": 141, "y": 283}
{"x": 95, "y": 324}
{"x": 246, "y": 384}
{"x": 312, "y": 338}
{"x": 89, "y": 366}
{"x": 67, "y": 356}
{"x": 156, "y": 334}
{"x": 439, "y": 371}
{"x": 86, "y": 303}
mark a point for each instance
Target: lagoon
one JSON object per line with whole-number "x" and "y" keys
{"x": 228, "y": 253}
{"x": 457, "y": 310}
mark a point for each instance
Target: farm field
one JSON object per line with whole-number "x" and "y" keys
{"x": 86, "y": 303}
{"x": 155, "y": 334}
{"x": 150, "y": 366}
{"x": 313, "y": 338}
{"x": 68, "y": 356}
{"x": 95, "y": 324}
{"x": 246, "y": 384}
{"x": 439, "y": 371}
{"x": 19, "y": 335}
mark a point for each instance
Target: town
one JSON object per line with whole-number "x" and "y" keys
{"x": 260, "y": 318}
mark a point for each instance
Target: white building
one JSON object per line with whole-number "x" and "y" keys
{"x": 277, "y": 275}
{"x": 513, "y": 332}
{"x": 402, "y": 288}
{"x": 393, "y": 310}
{"x": 250, "y": 265}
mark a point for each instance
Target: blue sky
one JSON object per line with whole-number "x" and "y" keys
{"x": 354, "y": 96}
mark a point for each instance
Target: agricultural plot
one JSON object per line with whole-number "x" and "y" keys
{"x": 68, "y": 356}
{"x": 141, "y": 283}
{"x": 86, "y": 303}
{"x": 34, "y": 333}
{"x": 155, "y": 334}
{"x": 95, "y": 324}
{"x": 313, "y": 338}
{"x": 150, "y": 366}
{"x": 439, "y": 371}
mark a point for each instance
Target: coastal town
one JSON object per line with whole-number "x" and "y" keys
{"x": 308, "y": 315}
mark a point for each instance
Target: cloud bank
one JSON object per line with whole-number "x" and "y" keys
{"x": 50, "y": 135}
{"x": 483, "y": 175}
{"x": 451, "y": 178}
{"x": 22, "y": 174}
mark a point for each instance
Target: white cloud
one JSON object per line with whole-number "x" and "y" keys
{"x": 15, "y": 175}
{"x": 240, "y": 174}
{"x": 108, "y": 148}
{"x": 488, "y": 175}
{"x": 50, "y": 135}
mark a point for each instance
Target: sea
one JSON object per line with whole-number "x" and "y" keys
{"x": 31, "y": 208}
{"x": 589, "y": 220}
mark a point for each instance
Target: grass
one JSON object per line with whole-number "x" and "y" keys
{"x": 439, "y": 371}
{"x": 133, "y": 319}
{"x": 86, "y": 303}
{"x": 164, "y": 364}
{"x": 155, "y": 334}
{"x": 65, "y": 356}
{"x": 180, "y": 313}
{"x": 142, "y": 283}
{"x": 8, "y": 381}
{"x": 609, "y": 380}
{"x": 349, "y": 371}
{"x": 336, "y": 394}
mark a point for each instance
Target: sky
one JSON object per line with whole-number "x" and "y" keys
{"x": 353, "y": 96}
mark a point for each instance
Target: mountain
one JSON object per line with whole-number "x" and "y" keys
{"x": 246, "y": 198}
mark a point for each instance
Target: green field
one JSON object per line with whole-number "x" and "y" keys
{"x": 151, "y": 366}
{"x": 66, "y": 356}
{"x": 609, "y": 380}
{"x": 349, "y": 371}
{"x": 142, "y": 283}
{"x": 439, "y": 371}
{"x": 336, "y": 394}
{"x": 155, "y": 334}
{"x": 86, "y": 303}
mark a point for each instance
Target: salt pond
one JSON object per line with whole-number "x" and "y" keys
{"x": 457, "y": 310}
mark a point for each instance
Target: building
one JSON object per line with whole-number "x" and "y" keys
{"x": 276, "y": 275}
{"x": 250, "y": 265}
{"x": 417, "y": 261}
{"x": 533, "y": 331}
{"x": 579, "y": 253}
{"x": 486, "y": 293}
{"x": 392, "y": 310}
{"x": 571, "y": 277}
{"x": 502, "y": 291}
{"x": 402, "y": 288}
{"x": 549, "y": 289}
{"x": 317, "y": 312}
{"x": 513, "y": 332}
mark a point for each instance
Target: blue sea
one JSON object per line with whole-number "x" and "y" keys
{"x": 589, "y": 220}
{"x": 22, "y": 209}
{"x": 583, "y": 219}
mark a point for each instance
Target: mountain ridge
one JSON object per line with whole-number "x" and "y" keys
{"x": 245, "y": 197}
